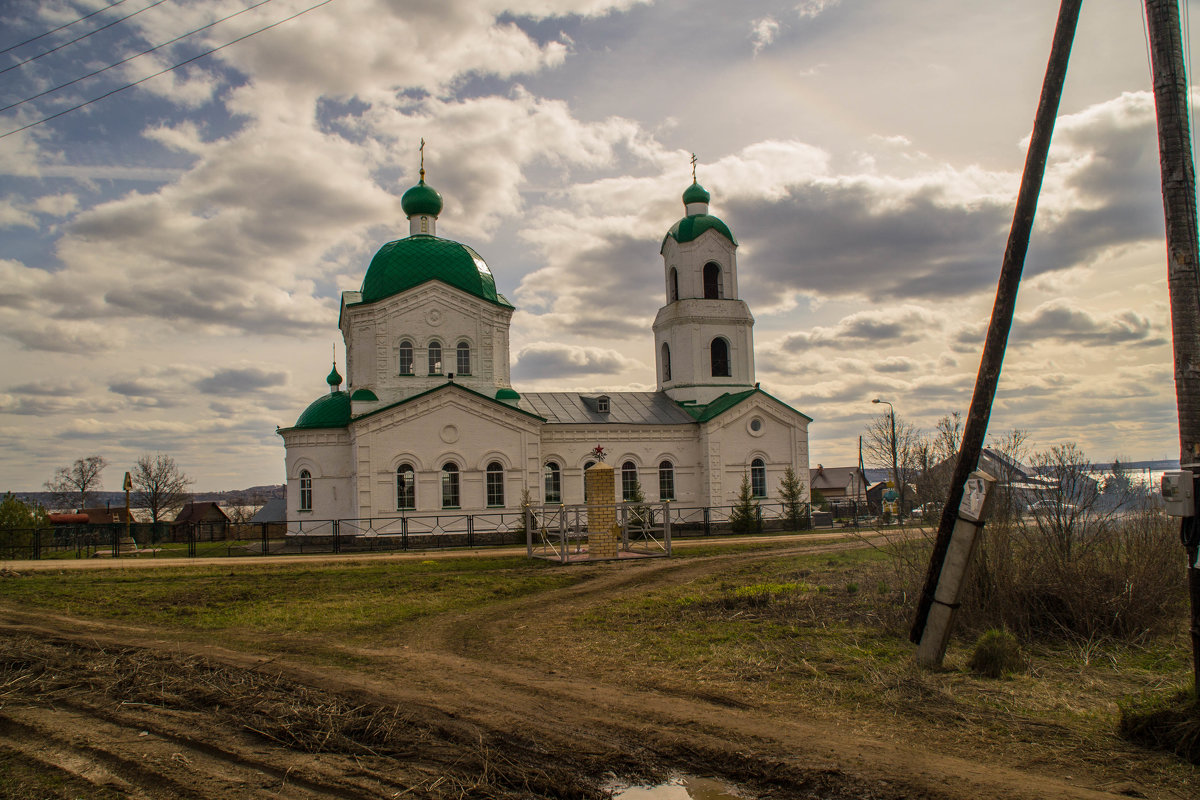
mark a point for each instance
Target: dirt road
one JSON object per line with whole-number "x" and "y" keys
{"x": 498, "y": 704}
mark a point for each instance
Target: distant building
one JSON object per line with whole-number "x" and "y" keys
{"x": 835, "y": 483}
{"x": 430, "y": 423}
{"x": 205, "y": 520}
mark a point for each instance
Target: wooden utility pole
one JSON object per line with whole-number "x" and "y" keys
{"x": 1183, "y": 262}
{"x": 1006, "y": 300}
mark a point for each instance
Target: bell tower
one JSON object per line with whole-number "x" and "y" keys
{"x": 704, "y": 335}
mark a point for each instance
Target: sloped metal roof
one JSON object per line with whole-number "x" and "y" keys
{"x": 625, "y": 408}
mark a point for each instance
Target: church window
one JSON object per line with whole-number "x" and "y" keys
{"x": 712, "y": 281}
{"x": 495, "y": 484}
{"x": 464, "y": 358}
{"x": 720, "y": 358}
{"x": 673, "y": 286}
{"x": 666, "y": 481}
{"x": 406, "y": 488}
{"x": 449, "y": 485}
{"x": 406, "y": 357}
{"x": 758, "y": 478}
{"x": 305, "y": 490}
{"x": 553, "y": 482}
{"x": 435, "y": 358}
{"x": 586, "y": 467}
{"x": 629, "y": 481}
{"x": 666, "y": 362}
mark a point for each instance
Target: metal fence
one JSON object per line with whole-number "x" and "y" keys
{"x": 399, "y": 533}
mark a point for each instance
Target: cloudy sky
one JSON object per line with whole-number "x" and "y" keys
{"x": 173, "y": 255}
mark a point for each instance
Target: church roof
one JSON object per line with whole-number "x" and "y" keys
{"x": 689, "y": 228}
{"x": 405, "y": 263}
{"x": 328, "y": 411}
{"x": 703, "y": 413}
{"x": 631, "y": 408}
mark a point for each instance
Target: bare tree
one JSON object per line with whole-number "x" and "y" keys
{"x": 159, "y": 485}
{"x": 80, "y": 479}
{"x": 1068, "y": 515}
{"x": 894, "y": 447}
{"x": 934, "y": 462}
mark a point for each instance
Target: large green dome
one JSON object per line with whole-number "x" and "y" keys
{"x": 328, "y": 411}
{"x": 421, "y": 199}
{"x": 405, "y": 263}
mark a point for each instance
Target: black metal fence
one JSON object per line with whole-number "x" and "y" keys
{"x": 405, "y": 532}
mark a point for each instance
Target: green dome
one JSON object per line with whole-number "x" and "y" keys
{"x": 364, "y": 396}
{"x": 405, "y": 263}
{"x": 333, "y": 378}
{"x": 421, "y": 199}
{"x": 329, "y": 411}
{"x": 690, "y": 228}
{"x": 507, "y": 394}
{"x": 695, "y": 194}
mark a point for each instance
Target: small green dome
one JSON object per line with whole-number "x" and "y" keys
{"x": 405, "y": 263}
{"x": 695, "y": 194}
{"x": 507, "y": 394}
{"x": 364, "y": 396}
{"x": 421, "y": 199}
{"x": 333, "y": 378}
{"x": 330, "y": 411}
{"x": 690, "y": 228}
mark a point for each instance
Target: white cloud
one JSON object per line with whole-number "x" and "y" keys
{"x": 763, "y": 32}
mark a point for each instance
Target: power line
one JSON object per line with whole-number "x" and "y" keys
{"x": 61, "y": 27}
{"x": 81, "y": 38}
{"x": 130, "y": 58}
{"x": 164, "y": 71}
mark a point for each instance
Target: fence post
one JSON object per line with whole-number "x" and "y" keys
{"x": 337, "y": 536}
{"x": 191, "y": 539}
{"x": 707, "y": 521}
{"x": 37, "y": 544}
{"x": 470, "y": 530}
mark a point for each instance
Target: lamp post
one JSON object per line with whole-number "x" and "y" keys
{"x": 895, "y": 460}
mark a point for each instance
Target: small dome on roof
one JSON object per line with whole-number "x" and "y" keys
{"x": 421, "y": 199}
{"x": 329, "y": 411}
{"x": 695, "y": 194}
{"x": 334, "y": 378}
{"x": 507, "y": 394}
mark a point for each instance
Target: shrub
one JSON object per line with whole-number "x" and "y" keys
{"x": 1172, "y": 725}
{"x": 997, "y": 653}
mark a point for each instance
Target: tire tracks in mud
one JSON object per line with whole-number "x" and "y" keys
{"x": 478, "y": 700}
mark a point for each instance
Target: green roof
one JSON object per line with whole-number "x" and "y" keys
{"x": 421, "y": 199}
{"x": 364, "y": 396}
{"x": 406, "y": 263}
{"x": 507, "y": 394}
{"x": 329, "y": 411}
{"x": 695, "y": 194}
{"x": 703, "y": 413}
{"x": 690, "y": 228}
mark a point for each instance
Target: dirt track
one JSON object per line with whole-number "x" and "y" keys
{"x": 459, "y": 706}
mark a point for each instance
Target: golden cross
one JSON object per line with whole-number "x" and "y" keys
{"x": 693, "y": 167}
{"x": 422, "y": 158}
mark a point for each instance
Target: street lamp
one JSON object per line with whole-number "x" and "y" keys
{"x": 895, "y": 460}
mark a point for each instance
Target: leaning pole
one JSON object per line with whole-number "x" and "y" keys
{"x": 1006, "y": 300}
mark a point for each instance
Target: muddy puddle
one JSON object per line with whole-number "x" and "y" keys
{"x": 680, "y": 788}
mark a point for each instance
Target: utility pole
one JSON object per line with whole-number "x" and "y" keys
{"x": 1183, "y": 261}
{"x": 1006, "y": 299}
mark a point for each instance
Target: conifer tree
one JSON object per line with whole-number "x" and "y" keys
{"x": 791, "y": 490}
{"x": 745, "y": 517}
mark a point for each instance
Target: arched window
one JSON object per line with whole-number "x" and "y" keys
{"x": 406, "y": 488}
{"x": 666, "y": 481}
{"x": 586, "y": 467}
{"x": 495, "y": 484}
{"x": 305, "y": 490}
{"x": 666, "y": 362}
{"x": 712, "y": 281}
{"x": 629, "y": 481}
{"x": 464, "y": 358}
{"x": 449, "y": 485}
{"x": 720, "y": 358}
{"x": 758, "y": 478}
{"x": 435, "y": 358}
{"x": 673, "y": 286}
{"x": 553, "y": 483}
{"x": 406, "y": 357}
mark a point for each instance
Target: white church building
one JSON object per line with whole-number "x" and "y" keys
{"x": 429, "y": 421}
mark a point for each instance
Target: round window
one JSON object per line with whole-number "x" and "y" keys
{"x": 756, "y": 426}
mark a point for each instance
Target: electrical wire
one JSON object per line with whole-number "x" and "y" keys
{"x": 61, "y": 27}
{"x": 81, "y": 38}
{"x": 130, "y": 58}
{"x": 163, "y": 71}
